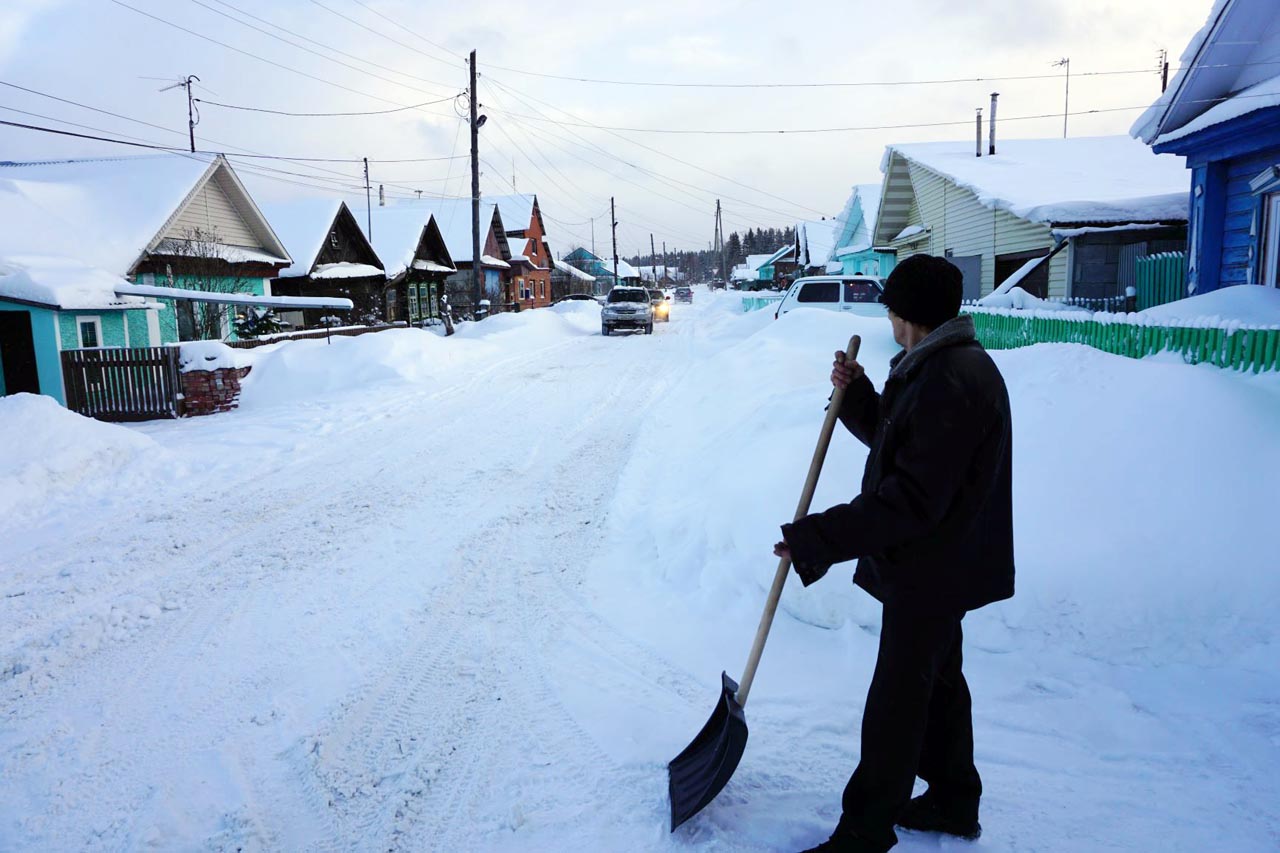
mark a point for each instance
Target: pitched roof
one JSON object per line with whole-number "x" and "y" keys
{"x": 517, "y": 210}
{"x": 858, "y": 219}
{"x": 398, "y": 227}
{"x": 1084, "y": 179}
{"x": 303, "y": 225}
{"x": 817, "y": 240}
{"x": 110, "y": 212}
{"x": 1229, "y": 61}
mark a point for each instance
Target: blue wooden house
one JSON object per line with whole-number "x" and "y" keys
{"x": 1222, "y": 112}
{"x": 854, "y": 250}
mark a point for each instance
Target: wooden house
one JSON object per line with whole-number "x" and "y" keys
{"x": 184, "y": 221}
{"x": 855, "y": 252}
{"x": 1069, "y": 217}
{"x": 331, "y": 257}
{"x": 567, "y": 279}
{"x": 1222, "y": 112}
{"x": 602, "y": 270}
{"x": 416, "y": 261}
{"x": 51, "y": 305}
{"x": 529, "y": 282}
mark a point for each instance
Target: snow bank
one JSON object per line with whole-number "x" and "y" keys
{"x": 1247, "y": 304}
{"x": 1019, "y": 299}
{"x": 48, "y": 453}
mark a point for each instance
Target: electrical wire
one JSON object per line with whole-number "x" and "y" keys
{"x": 325, "y": 115}
{"x": 387, "y": 37}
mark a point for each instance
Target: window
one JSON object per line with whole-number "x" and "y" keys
{"x": 333, "y": 238}
{"x": 90, "y": 330}
{"x": 820, "y": 291}
{"x": 861, "y": 291}
{"x": 1270, "y": 268}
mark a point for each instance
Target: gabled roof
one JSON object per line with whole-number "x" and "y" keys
{"x": 756, "y": 261}
{"x": 1232, "y": 61}
{"x": 1103, "y": 179}
{"x": 517, "y": 210}
{"x": 572, "y": 271}
{"x": 303, "y": 224}
{"x": 112, "y": 212}
{"x": 858, "y": 220}
{"x": 398, "y": 227}
{"x": 817, "y": 239}
{"x": 598, "y": 266}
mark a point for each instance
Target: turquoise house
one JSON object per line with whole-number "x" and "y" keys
{"x": 854, "y": 252}
{"x": 49, "y": 305}
{"x": 182, "y": 221}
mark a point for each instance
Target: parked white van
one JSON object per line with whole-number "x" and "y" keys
{"x": 856, "y": 294}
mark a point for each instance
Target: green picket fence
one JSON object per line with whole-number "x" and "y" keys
{"x": 755, "y": 303}
{"x": 1161, "y": 279}
{"x": 1231, "y": 347}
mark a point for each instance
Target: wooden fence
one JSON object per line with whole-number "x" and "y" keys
{"x": 135, "y": 384}
{"x": 1161, "y": 279}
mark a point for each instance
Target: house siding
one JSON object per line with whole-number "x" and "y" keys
{"x": 1238, "y": 239}
{"x": 139, "y": 331}
{"x": 961, "y": 225}
{"x": 211, "y": 209}
{"x": 111, "y": 322}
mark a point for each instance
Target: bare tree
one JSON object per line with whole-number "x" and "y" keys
{"x": 202, "y": 261}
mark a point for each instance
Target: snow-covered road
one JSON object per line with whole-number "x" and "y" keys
{"x": 472, "y": 594}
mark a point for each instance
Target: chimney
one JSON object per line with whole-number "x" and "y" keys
{"x": 382, "y": 196}
{"x": 977, "y": 145}
{"x": 991, "y": 123}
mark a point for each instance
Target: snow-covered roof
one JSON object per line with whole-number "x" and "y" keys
{"x": 516, "y": 210}
{"x": 817, "y": 241}
{"x": 303, "y": 225}
{"x": 573, "y": 272}
{"x": 1228, "y": 69}
{"x": 754, "y": 262}
{"x": 346, "y": 269}
{"x": 109, "y": 212}
{"x": 63, "y": 283}
{"x": 1085, "y": 179}
{"x": 397, "y": 227}
{"x": 858, "y": 220}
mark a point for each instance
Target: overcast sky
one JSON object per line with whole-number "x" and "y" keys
{"x": 387, "y": 54}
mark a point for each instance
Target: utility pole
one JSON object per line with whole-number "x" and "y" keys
{"x": 724, "y": 270}
{"x": 192, "y": 119}
{"x": 1164, "y": 70}
{"x": 664, "y": 258}
{"x": 475, "y": 193}
{"x": 1066, "y": 96}
{"x": 593, "y": 236}
{"x": 613, "y": 217}
{"x": 653, "y": 259}
{"x": 368, "y": 202}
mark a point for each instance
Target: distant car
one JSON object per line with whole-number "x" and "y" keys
{"x": 627, "y": 308}
{"x": 852, "y": 294}
{"x": 684, "y": 294}
{"x": 661, "y": 308}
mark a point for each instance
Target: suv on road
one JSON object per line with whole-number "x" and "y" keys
{"x": 854, "y": 294}
{"x": 661, "y": 307}
{"x": 627, "y": 308}
{"x": 684, "y": 294}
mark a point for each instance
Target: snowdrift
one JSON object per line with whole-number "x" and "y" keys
{"x": 48, "y": 453}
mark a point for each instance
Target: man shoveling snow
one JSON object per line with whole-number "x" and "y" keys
{"x": 932, "y": 532}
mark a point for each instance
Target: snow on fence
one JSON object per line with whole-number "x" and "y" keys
{"x": 1231, "y": 344}
{"x": 1161, "y": 279}
{"x": 756, "y": 302}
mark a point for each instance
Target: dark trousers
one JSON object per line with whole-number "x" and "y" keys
{"x": 918, "y": 721}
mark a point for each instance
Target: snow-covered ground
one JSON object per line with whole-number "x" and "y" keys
{"x": 473, "y": 594}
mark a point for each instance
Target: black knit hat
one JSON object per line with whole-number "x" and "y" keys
{"x": 924, "y": 289}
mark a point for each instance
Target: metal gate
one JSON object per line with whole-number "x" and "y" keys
{"x": 136, "y": 384}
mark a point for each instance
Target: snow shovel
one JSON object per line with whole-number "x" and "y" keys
{"x": 702, "y": 770}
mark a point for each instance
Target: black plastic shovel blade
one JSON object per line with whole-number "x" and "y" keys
{"x": 696, "y": 775}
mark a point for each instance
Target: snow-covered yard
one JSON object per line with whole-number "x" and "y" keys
{"x": 473, "y": 594}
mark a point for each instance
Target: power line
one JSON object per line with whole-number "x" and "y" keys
{"x": 286, "y": 113}
{"x": 313, "y": 52}
{"x": 254, "y": 56}
{"x": 330, "y": 47}
{"x": 389, "y": 38}
{"x": 369, "y": 8}
{"x": 251, "y": 156}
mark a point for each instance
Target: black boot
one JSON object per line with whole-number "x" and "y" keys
{"x": 846, "y": 842}
{"x": 923, "y": 814}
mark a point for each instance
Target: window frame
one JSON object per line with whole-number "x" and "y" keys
{"x": 836, "y": 289}
{"x": 94, "y": 320}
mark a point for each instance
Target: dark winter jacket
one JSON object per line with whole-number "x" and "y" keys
{"x": 934, "y": 522}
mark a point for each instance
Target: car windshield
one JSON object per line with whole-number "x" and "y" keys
{"x": 628, "y": 296}
{"x": 683, "y": 291}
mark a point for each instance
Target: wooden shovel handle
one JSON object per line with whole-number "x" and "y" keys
{"x": 806, "y": 498}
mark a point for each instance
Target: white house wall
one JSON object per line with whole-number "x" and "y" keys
{"x": 964, "y": 226}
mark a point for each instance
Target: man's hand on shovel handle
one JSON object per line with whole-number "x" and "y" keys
{"x": 780, "y": 549}
{"x": 844, "y": 372}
